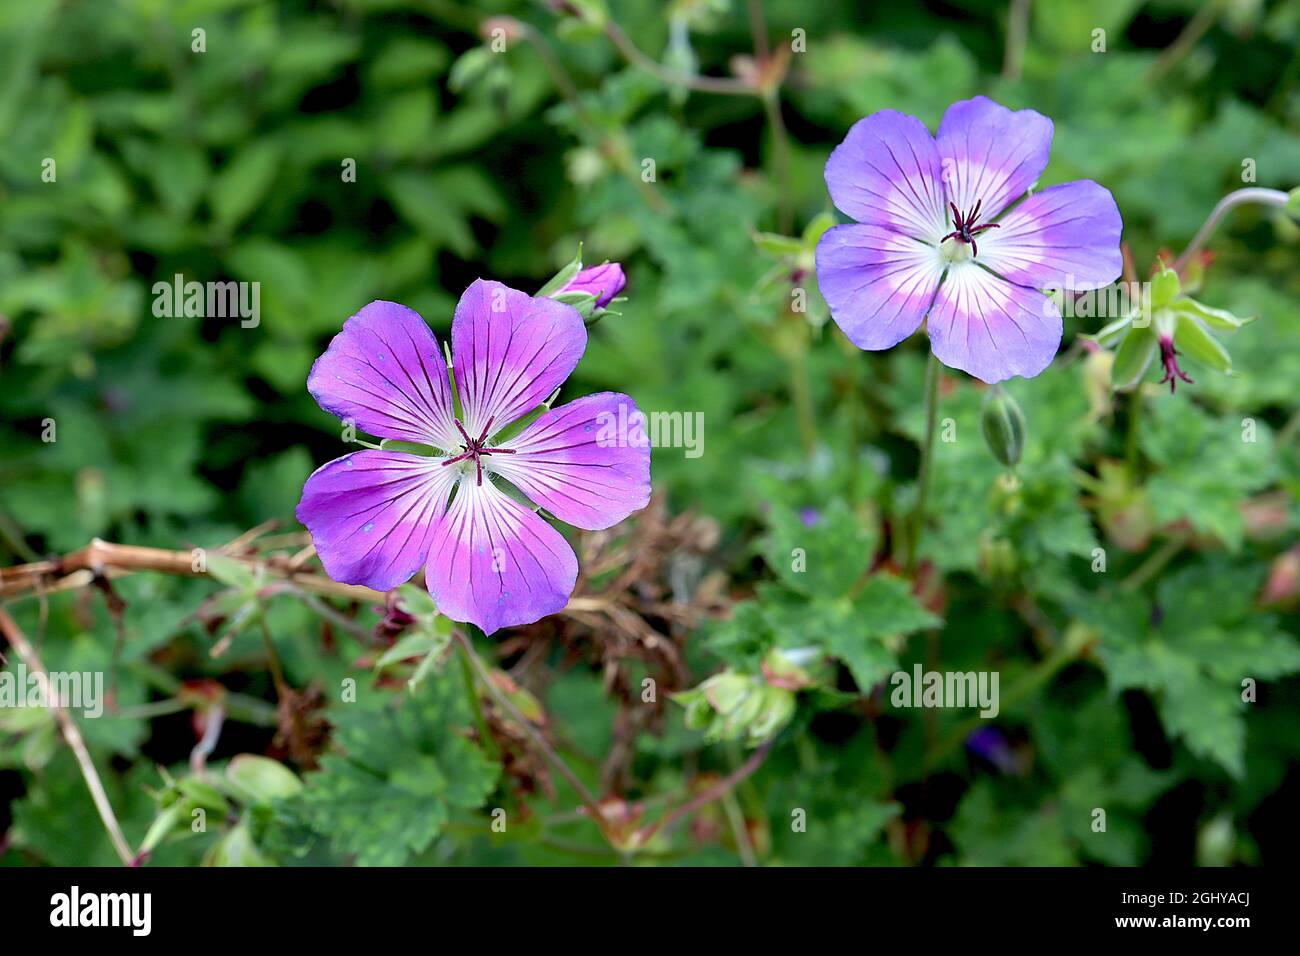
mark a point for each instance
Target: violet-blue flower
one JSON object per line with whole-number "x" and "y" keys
{"x": 603, "y": 281}
{"x": 937, "y": 235}
{"x": 377, "y": 516}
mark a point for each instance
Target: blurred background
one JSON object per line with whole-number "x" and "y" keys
{"x": 211, "y": 138}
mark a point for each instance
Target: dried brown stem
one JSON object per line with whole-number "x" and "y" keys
{"x": 715, "y": 792}
{"x": 71, "y": 734}
{"x": 103, "y": 558}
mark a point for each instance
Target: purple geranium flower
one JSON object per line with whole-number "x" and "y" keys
{"x": 603, "y": 281}
{"x": 926, "y": 241}
{"x": 377, "y": 516}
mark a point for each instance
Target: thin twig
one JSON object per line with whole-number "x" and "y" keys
{"x": 715, "y": 792}
{"x": 71, "y": 734}
{"x": 80, "y": 569}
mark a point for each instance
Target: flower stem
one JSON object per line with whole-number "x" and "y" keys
{"x": 1239, "y": 197}
{"x": 538, "y": 741}
{"x": 802, "y": 395}
{"x": 476, "y": 703}
{"x": 1154, "y": 564}
{"x": 1017, "y": 31}
{"x": 1196, "y": 28}
{"x": 704, "y": 84}
{"x": 1134, "y": 418}
{"x": 1041, "y": 673}
{"x": 781, "y": 152}
{"x": 932, "y": 376}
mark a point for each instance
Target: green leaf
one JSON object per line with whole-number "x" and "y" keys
{"x": 867, "y": 635}
{"x": 1193, "y": 338}
{"x": 1133, "y": 357}
{"x": 261, "y": 779}
{"x": 232, "y": 573}
{"x": 776, "y": 245}
{"x": 416, "y": 644}
{"x": 822, "y": 553}
{"x": 1165, "y": 287}
{"x": 1207, "y": 466}
{"x": 244, "y": 182}
{"x": 401, "y": 771}
{"x": 1194, "y": 653}
{"x": 564, "y": 276}
{"x": 1220, "y": 319}
{"x": 236, "y": 848}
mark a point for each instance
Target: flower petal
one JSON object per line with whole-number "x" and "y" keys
{"x": 1066, "y": 237}
{"x": 587, "y": 462}
{"x": 991, "y": 328}
{"x": 991, "y": 155}
{"x": 603, "y": 281}
{"x": 877, "y": 283}
{"x": 510, "y": 351}
{"x": 497, "y": 564}
{"x": 385, "y": 372}
{"x": 372, "y": 514}
{"x": 886, "y": 173}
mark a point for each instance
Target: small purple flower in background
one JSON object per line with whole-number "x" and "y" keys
{"x": 377, "y": 516}
{"x": 603, "y": 281}
{"x": 992, "y": 745}
{"x": 936, "y": 235}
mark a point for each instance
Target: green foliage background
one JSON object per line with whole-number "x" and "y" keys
{"x": 1120, "y": 690}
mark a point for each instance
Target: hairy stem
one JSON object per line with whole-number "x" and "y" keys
{"x": 475, "y": 703}
{"x": 1239, "y": 197}
{"x": 932, "y": 377}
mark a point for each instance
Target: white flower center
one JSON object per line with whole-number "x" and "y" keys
{"x": 954, "y": 250}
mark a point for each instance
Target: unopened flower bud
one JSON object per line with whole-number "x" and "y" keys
{"x": 603, "y": 281}
{"x": 1003, "y": 425}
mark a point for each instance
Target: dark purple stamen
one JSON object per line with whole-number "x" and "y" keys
{"x": 966, "y": 230}
{"x": 475, "y": 447}
{"x": 1168, "y": 357}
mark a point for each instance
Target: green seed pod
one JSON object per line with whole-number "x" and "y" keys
{"x": 1003, "y": 425}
